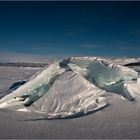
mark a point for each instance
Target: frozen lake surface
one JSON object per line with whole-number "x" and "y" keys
{"x": 119, "y": 120}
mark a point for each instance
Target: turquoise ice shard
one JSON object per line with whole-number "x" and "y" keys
{"x": 35, "y": 88}
{"x": 105, "y": 74}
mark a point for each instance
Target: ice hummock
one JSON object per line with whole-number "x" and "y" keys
{"x": 73, "y": 86}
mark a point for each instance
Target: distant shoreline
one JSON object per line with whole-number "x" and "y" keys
{"x": 39, "y": 64}
{"x": 24, "y": 64}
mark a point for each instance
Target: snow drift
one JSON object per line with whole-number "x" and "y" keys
{"x": 74, "y": 86}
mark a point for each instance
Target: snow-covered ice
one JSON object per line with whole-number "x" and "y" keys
{"x": 77, "y": 85}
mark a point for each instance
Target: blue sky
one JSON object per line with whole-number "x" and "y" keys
{"x": 70, "y": 28}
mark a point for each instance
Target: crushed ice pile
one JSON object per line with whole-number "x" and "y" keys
{"x": 74, "y": 86}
